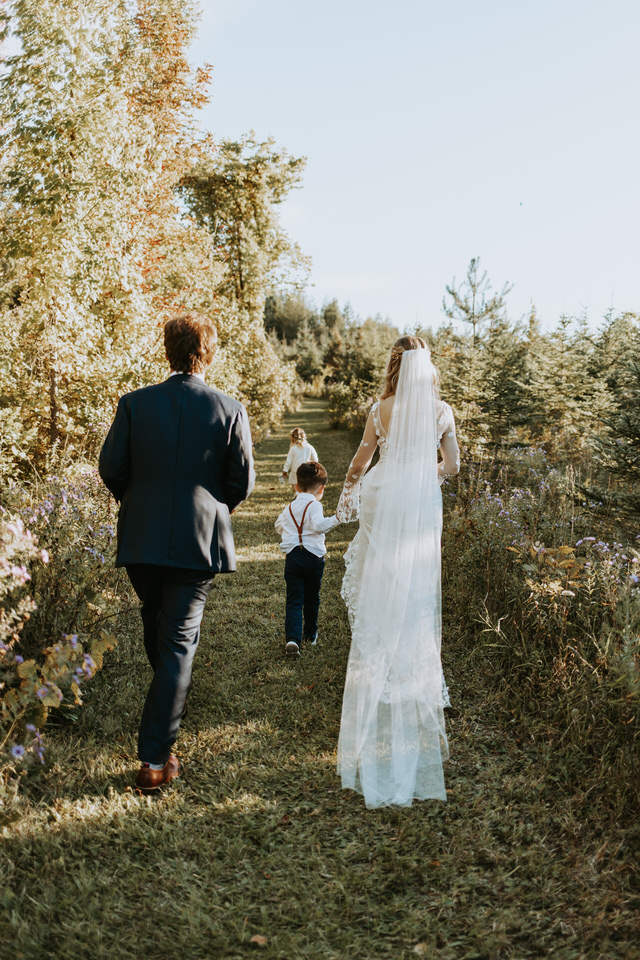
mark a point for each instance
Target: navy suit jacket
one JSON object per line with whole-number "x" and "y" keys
{"x": 178, "y": 459}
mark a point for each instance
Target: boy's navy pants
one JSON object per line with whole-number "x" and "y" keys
{"x": 303, "y": 576}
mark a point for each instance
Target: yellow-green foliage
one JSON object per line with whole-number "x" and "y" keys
{"x": 97, "y": 111}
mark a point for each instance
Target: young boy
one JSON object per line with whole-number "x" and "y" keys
{"x": 302, "y": 527}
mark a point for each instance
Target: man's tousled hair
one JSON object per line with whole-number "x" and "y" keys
{"x": 190, "y": 342}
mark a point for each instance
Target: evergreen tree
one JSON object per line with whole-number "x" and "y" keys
{"x": 307, "y": 355}
{"x": 613, "y": 352}
{"x": 504, "y": 396}
{"x": 535, "y": 378}
{"x": 333, "y": 357}
{"x": 617, "y": 443}
{"x": 285, "y": 314}
{"x": 472, "y": 304}
{"x": 447, "y": 347}
{"x": 332, "y": 317}
{"x": 561, "y": 379}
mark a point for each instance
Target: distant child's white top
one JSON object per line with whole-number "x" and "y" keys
{"x": 296, "y": 456}
{"x": 313, "y": 530}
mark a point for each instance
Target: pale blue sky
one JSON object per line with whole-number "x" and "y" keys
{"x": 438, "y": 130}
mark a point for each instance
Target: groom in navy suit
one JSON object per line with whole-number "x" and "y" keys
{"x": 178, "y": 460}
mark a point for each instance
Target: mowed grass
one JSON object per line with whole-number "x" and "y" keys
{"x": 257, "y": 839}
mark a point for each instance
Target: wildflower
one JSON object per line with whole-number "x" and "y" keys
{"x": 42, "y": 692}
{"x": 20, "y": 573}
{"x": 17, "y": 751}
{"x": 30, "y": 727}
{"x": 634, "y": 579}
{"x": 45, "y": 556}
{"x": 18, "y": 658}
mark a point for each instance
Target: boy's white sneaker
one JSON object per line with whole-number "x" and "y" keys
{"x": 292, "y": 648}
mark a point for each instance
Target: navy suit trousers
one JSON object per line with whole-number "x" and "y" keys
{"x": 303, "y": 576}
{"x": 173, "y": 602}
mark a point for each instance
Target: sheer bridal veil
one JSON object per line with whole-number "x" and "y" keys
{"x": 392, "y": 737}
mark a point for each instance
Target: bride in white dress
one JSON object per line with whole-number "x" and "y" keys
{"x": 392, "y": 736}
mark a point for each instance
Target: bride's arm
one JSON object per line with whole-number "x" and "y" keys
{"x": 348, "y": 506}
{"x": 364, "y": 453}
{"x": 449, "y": 466}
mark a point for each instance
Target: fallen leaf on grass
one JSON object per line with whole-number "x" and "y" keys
{"x": 259, "y": 940}
{"x": 421, "y": 949}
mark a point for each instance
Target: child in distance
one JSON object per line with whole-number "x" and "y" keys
{"x": 300, "y": 451}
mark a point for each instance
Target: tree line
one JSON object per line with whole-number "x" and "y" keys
{"x": 117, "y": 210}
{"x": 573, "y": 389}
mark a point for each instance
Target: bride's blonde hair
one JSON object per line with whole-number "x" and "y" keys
{"x": 393, "y": 367}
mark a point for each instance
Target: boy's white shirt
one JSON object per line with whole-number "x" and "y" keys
{"x": 314, "y": 528}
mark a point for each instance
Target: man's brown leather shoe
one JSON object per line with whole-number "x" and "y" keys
{"x": 148, "y": 780}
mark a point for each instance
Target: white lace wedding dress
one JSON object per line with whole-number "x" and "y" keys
{"x": 392, "y": 734}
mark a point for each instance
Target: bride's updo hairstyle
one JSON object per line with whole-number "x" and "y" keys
{"x": 393, "y": 367}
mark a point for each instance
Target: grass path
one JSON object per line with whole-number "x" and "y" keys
{"x": 258, "y": 839}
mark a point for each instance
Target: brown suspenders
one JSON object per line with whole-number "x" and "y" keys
{"x": 300, "y": 525}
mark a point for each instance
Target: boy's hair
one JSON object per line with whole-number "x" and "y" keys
{"x": 190, "y": 342}
{"x": 311, "y": 476}
{"x": 298, "y": 436}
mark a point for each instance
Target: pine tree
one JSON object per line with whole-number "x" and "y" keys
{"x": 472, "y": 303}
{"x": 503, "y": 396}
{"x": 617, "y": 443}
{"x": 332, "y": 317}
{"x": 286, "y": 313}
{"x": 559, "y": 363}
{"x": 307, "y": 355}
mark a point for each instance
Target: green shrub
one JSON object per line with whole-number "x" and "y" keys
{"x": 73, "y": 517}
{"x": 58, "y": 588}
{"x": 350, "y": 403}
{"x": 554, "y": 611}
